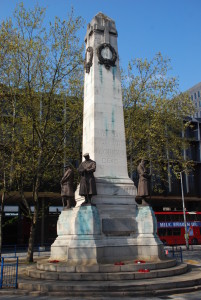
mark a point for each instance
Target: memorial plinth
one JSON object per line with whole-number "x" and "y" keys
{"x": 115, "y": 228}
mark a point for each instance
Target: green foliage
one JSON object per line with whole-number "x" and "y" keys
{"x": 154, "y": 116}
{"x": 11, "y": 221}
{"x": 41, "y": 99}
{"x": 40, "y": 94}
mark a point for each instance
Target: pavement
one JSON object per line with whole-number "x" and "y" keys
{"x": 192, "y": 257}
{"x": 187, "y": 296}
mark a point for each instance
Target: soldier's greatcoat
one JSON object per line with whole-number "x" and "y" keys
{"x": 87, "y": 181}
{"x": 144, "y": 181}
{"x": 67, "y": 183}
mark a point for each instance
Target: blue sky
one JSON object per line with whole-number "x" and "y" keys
{"x": 144, "y": 27}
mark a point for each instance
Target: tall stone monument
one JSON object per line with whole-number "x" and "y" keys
{"x": 115, "y": 228}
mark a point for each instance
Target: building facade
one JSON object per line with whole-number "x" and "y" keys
{"x": 171, "y": 198}
{"x": 195, "y": 95}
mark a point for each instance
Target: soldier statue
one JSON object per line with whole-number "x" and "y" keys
{"x": 67, "y": 191}
{"x": 144, "y": 181}
{"x": 87, "y": 181}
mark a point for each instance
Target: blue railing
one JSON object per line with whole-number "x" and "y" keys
{"x": 21, "y": 250}
{"x": 176, "y": 253}
{"x": 9, "y": 273}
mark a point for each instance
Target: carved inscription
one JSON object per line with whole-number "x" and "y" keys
{"x": 107, "y": 160}
{"x": 110, "y": 151}
{"x": 115, "y": 143}
{"x": 113, "y": 133}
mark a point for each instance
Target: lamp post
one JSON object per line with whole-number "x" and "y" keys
{"x": 184, "y": 212}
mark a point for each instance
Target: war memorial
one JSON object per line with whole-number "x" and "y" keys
{"x": 107, "y": 244}
{"x": 114, "y": 227}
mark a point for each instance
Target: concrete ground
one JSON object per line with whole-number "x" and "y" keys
{"x": 192, "y": 257}
{"x": 188, "y": 296}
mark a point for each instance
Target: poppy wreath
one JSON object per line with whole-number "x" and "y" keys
{"x": 144, "y": 271}
{"x": 119, "y": 263}
{"x": 107, "y": 61}
{"x": 139, "y": 261}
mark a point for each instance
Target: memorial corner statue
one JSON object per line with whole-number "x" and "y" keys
{"x": 87, "y": 181}
{"x": 67, "y": 191}
{"x": 144, "y": 181}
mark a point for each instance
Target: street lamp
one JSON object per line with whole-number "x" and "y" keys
{"x": 184, "y": 211}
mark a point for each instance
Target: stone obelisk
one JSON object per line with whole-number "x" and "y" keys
{"x": 103, "y": 128}
{"x": 115, "y": 228}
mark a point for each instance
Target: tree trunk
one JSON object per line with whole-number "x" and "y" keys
{"x": 1, "y": 212}
{"x": 32, "y": 234}
{"x": 34, "y": 221}
{"x": 1, "y": 221}
{"x": 1, "y": 236}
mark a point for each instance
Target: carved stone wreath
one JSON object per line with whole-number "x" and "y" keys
{"x": 106, "y": 61}
{"x": 88, "y": 64}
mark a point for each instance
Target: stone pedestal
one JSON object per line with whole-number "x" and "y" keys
{"x": 89, "y": 237}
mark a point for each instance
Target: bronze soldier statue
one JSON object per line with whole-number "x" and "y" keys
{"x": 67, "y": 192}
{"x": 144, "y": 181}
{"x": 87, "y": 181}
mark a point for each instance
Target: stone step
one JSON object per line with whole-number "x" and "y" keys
{"x": 147, "y": 287}
{"x": 65, "y": 267}
{"x": 99, "y": 296}
{"x": 108, "y": 276}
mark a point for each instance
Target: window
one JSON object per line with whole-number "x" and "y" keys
{"x": 200, "y": 114}
{"x": 176, "y": 231}
{"x": 198, "y": 94}
{"x": 162, "y": 231}
{"x": 196, "y": 105}
{"x": 200, "y": 103}
{"x": 192, "y": 97}
{"x": 195, "y": 95}
{"x": 169, "y": 231}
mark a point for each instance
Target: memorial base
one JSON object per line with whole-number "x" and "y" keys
{"x": 87, "y": 236}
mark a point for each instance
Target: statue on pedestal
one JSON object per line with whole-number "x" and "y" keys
{"x": 67, "y": 191}
{"x": 87, "y": 181}
{"x": 144, "y": 181}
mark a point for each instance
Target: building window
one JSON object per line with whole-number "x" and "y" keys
{"x": 199, "y": 94}
{"x": 200, "y": 114}
{"x": 196, "y": 105}
{"x": 192, "y": 97}
{"x": 200, "y": 103}
{"x": 195, "y": 95}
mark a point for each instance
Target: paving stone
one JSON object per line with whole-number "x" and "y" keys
{"x": 51, "y": 276}
{"x": 86, "y": 269}
{"x": 70, "y": 276}
{"x": 120, "y": 276}
{"x": 109, "y": 268}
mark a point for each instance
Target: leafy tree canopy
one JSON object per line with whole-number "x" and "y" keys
{"x": 155, "y": 113}
{"x": 41, "y": 98}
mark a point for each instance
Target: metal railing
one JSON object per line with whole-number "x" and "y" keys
{"x": 9, "y": 273}
{"x": 21, "y": 250}
{"x": 176, "y": 253}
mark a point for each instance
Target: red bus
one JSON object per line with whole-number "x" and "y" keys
{"x": 171, "y": 230}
